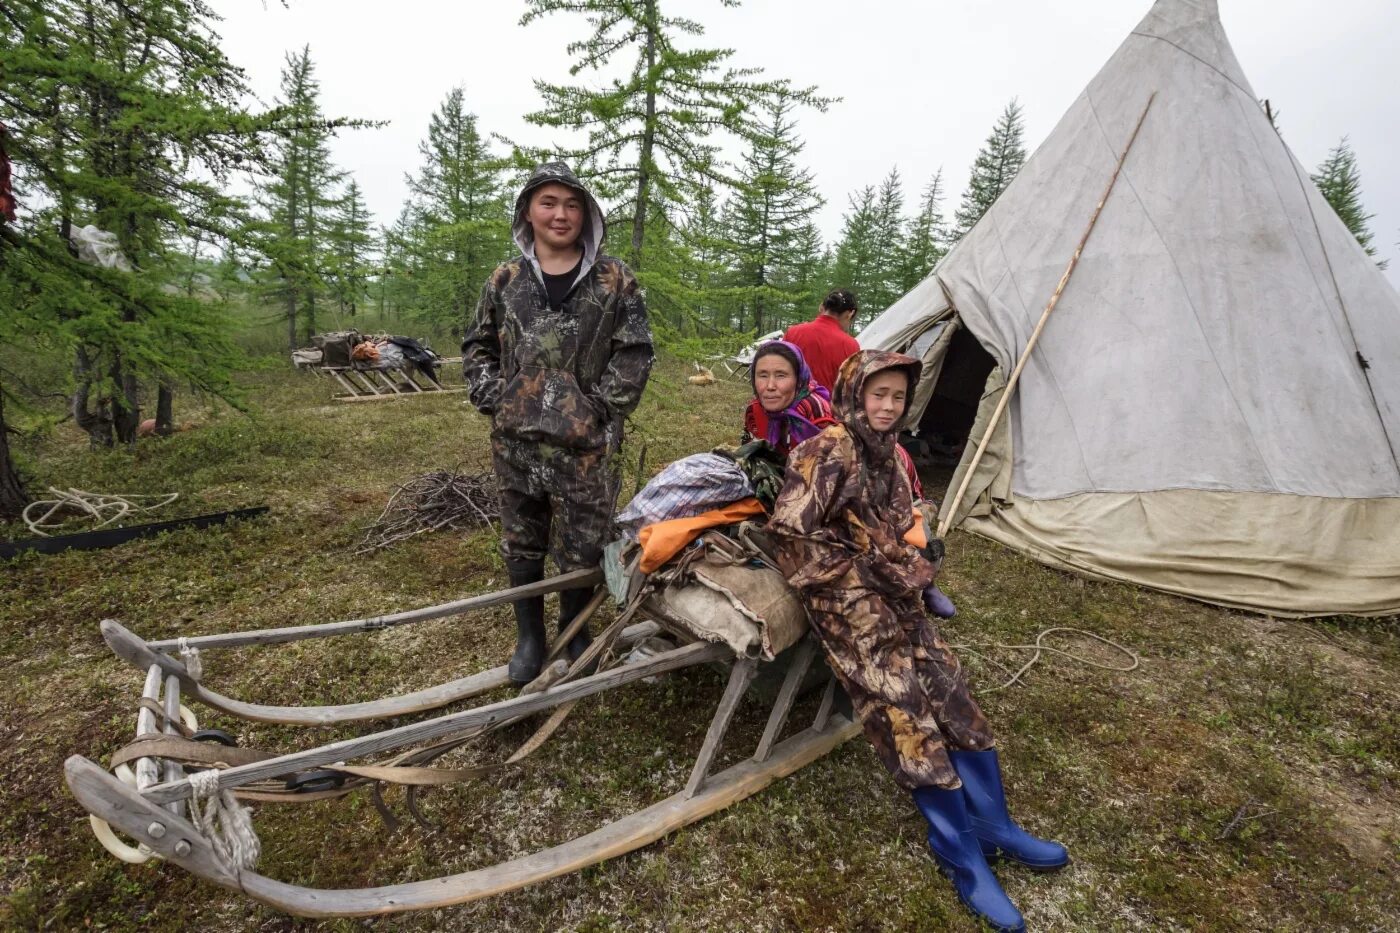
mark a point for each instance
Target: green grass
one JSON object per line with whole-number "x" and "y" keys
{"x": 1138, "y": 773}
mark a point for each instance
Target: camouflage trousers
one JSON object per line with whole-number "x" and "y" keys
{"x": 905, "y": 683}
{"x": 540, "y": 485}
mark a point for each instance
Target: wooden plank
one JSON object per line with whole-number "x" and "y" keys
{"x": 379, "y": 398}
{"x": 361, "y": 378}
{"x": 787, "y": 694}
{"x": 106, "y": 797}
{"x": 134, "y": 651}
{"x": 172, "y": 770}
{"x": 349, "y": 386}
{"x": 578, "y": 578}
{"x": 824, "y": 710}
{"x": 383, "y": 377}
{"x": 740, "y": 676}
{"x": 451, "y": 724}
{"x": 111, "y": 537}
{"x": 148, "y": 769}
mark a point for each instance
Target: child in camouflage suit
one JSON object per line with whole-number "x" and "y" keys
{"x": 839, "y": 524}
{"x": 557, "y": 356}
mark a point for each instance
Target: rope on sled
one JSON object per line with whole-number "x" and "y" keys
{"x": 1039, "y": 649}
{"x": 189, "y": 654}
{"x": 224, "y": 821}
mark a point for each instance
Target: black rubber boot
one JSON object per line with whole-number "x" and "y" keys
{"x": 571, "y": 603}
{"x": 530, "y": 644}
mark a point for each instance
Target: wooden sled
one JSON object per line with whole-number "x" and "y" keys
{"x": 149, "y": 802}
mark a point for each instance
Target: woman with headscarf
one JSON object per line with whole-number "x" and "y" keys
{"x": 788, "y": 406}
{"x": 839, "y": 525}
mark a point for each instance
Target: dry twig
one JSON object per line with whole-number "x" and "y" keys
{"x": 433, "y": 501}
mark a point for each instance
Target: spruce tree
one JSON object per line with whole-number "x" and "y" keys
{"x": 1339, "y": 180}
{"x": 462, "y": 215}
{"x": 298, "y": 199}
{"x": 654, "y": 134}
{"x": 870, "y": 251}
{"x": 925, "y": 237}
{"x": 772, "y": 203}
{"x": 350, "y": 242}
{"x": 992, "y": 171}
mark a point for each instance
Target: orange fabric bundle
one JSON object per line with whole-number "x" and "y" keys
{"x": 365, "y": 352}
{"x": 662, "y": 541}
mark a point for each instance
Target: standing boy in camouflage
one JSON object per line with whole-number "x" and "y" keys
{"x": 557, "y": 356}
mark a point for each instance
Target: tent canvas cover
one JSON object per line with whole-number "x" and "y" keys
{"x": 1213, "y": 409}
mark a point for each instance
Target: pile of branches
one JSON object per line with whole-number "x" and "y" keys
{"x": 434, "y": 501}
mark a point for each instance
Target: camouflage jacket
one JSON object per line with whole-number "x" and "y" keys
{"x": 566, "y": 378}
{"x": 846, "y": 501}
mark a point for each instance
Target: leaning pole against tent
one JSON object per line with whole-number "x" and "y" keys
{"x": 1216, "y": 411}
{"x": 1010, "y": 389}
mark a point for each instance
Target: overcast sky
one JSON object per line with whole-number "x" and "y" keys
{"x": 921, "y": 82}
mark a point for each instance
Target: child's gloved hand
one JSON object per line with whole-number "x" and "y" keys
{"x": 937, "y": 602}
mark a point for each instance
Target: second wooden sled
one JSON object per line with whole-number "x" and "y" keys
{"x": 150, "y": 804}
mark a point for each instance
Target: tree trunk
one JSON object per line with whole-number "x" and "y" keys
{"x": 165, "y": 404}
{"x": 126, "y": 407}
{"x": 97, "y": 424}
{"x": 291, "y": 317}
{"x": 12, "y": 496}
{"x": 648, "y": 141}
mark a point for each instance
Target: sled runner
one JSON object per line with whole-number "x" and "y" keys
{"x": 173, "y": 789}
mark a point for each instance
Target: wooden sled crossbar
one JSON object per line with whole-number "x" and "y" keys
{"x": 148, "y": 802}
{"x": 140, "y": 814}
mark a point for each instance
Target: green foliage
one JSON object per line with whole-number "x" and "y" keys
{"x": 298, "y": 199}
{"x": 871, "y": 252}
{"x": 996, "y": 165}
{"x": 1339, "y": 180}
{"x": 456, "y": 227}
{"x": 124, "y": 117}
{"x": 351, "y": 247}
{"x": 925, "y": 237}
{"x": 653, "y": 136}
{"x": 770, "y": 238}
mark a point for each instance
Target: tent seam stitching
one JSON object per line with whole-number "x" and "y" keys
{"x": 1190, "y": 301}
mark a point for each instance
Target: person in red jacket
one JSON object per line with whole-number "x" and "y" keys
{"x": 825, "y": 341}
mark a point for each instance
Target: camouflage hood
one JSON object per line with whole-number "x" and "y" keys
{"x": 850, "y": 386}
{"x": 593, "y": 227}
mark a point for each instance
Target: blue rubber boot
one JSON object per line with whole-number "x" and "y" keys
{"x": 996, "y": 830}
{"x": 956, "y": 850}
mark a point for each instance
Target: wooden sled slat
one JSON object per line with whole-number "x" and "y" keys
{"x": 106, "y": 797}
{"x": 452, "y": 723}
{"x": 130, "y": 648}
{"x": 576, "y": 579}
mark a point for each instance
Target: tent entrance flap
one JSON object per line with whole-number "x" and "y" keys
{"x": 955, "y": 392}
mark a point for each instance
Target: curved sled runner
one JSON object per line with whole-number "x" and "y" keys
{"x": 170, "y": 814}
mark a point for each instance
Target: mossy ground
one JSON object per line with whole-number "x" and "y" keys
{"x": 1285, "y": 732}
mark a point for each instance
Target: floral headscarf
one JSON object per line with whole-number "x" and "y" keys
{"x": 807, "y": 415}
{"x": 881, "y": 453}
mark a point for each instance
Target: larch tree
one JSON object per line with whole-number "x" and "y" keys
{"x": 462, "y": 215}
{"x": 351, "y": 244}
{"x": 773, "y": 201}
{"x": 996, "y": 165}
{"x": 654, "y": 134}
{"x": 1339, "y": 180}
{"x": 298, "y": 197}
{"x": 925, "y": 237}
{"x": 124, "y": 117}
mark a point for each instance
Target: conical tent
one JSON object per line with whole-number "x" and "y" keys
{"x": 1213, "y": 408}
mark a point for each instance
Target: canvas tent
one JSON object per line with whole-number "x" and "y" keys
{"x": 1213, "y": 408}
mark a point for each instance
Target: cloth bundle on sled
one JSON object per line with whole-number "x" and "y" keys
{"x": 372, "y": 366}
{"x": 178, "y": 792}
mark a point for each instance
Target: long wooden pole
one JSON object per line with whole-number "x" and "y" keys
{"x": 947, "y": 521}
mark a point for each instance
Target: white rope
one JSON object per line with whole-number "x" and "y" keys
{"x": 190, "y": 656}
{"x": 1039, "y": 648}
{"x": 103, "y": 508}
{"x": 233, "y": 838}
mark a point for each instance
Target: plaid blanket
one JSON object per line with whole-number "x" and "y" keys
{"x": 684, "y": 489}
